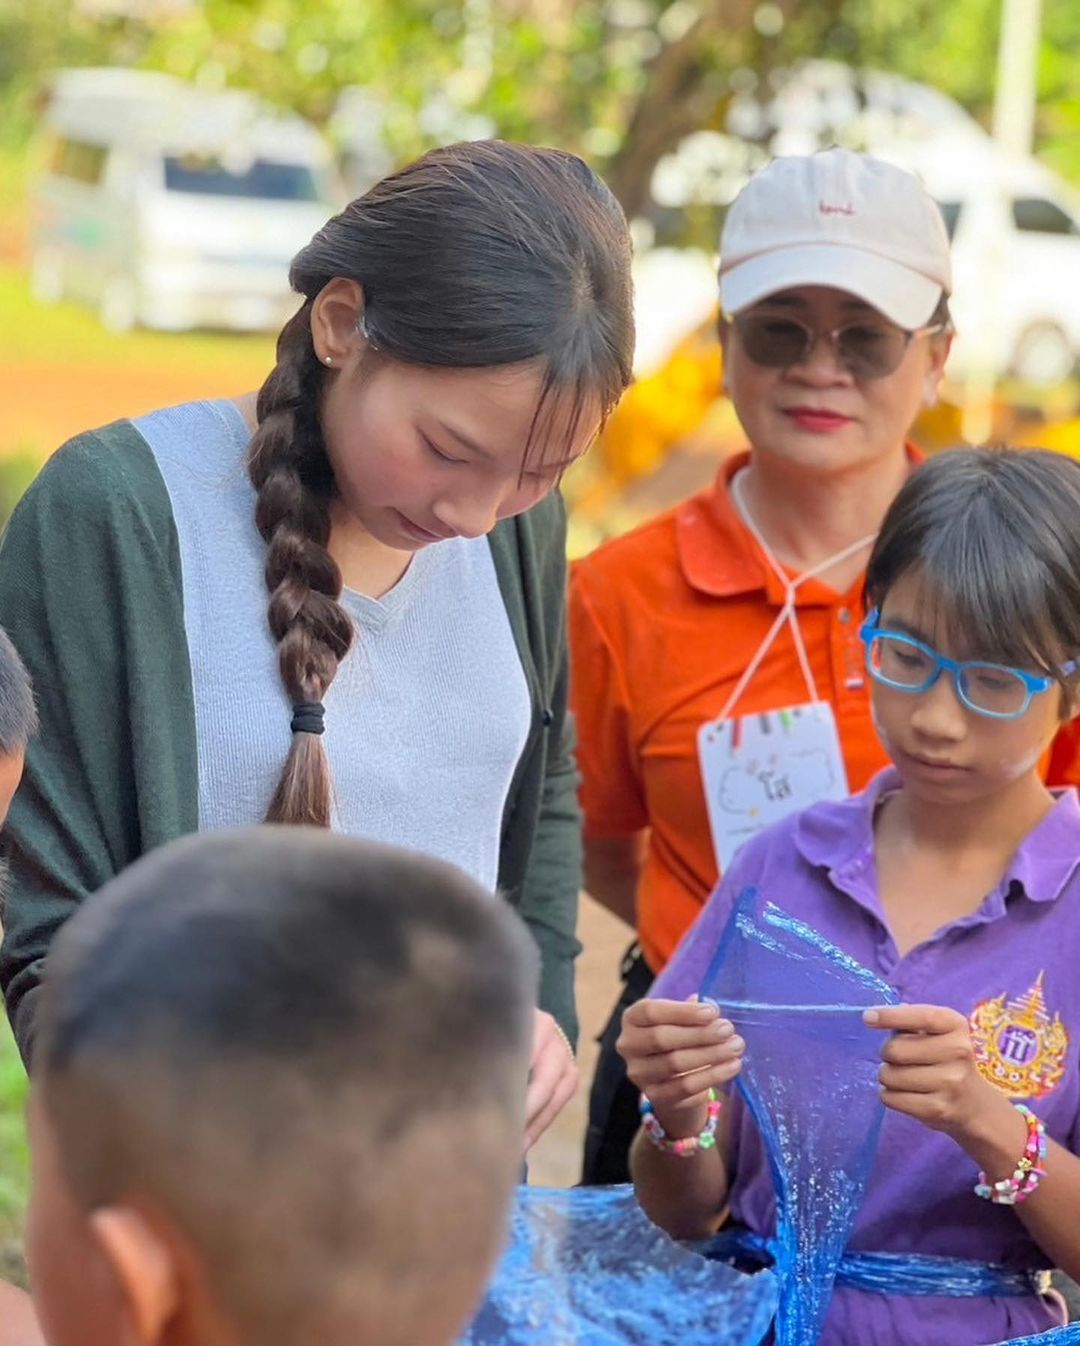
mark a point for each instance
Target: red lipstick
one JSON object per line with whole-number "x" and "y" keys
{"x": 817, "y": 420}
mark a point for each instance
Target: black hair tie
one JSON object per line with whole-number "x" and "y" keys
{"x": 308, "y": 717}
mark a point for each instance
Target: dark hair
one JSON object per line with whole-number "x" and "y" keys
{"x": 18, "y": 714}
{"x": 477, "y": 255}
{"x": 942, "y": 314}
{"x": 994, "y": 533}
{"x": 275, "y": 1035}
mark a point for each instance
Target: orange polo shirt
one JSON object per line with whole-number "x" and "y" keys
{"x": 663, "y": 621}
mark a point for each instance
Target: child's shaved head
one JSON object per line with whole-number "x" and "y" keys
{"x": 308, "y": 1054}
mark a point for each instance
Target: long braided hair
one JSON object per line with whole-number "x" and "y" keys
{"x": 477, "y": 255}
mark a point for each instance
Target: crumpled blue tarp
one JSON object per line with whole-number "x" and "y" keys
{"x": 810, "y": 1080}
{"x": 586, "y": 1267}
{"x": 1059, "y": 1336}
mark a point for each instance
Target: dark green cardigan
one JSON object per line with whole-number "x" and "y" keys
{"x": 92, "y": 596}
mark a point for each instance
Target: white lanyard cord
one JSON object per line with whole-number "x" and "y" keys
{"x": 787, "y": 611}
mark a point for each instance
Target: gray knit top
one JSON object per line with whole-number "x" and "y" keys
{"x": 429, "y": 711}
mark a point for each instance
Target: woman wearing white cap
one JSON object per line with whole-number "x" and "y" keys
{"x": 717, "y": 674}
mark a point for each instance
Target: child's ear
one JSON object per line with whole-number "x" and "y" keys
{"x": 145, "y": 1270}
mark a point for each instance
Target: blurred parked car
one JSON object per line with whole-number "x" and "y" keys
{"x": 165, "y": 206}
{"x": 1015, "y": 229}
{"x": 1015, "y": 225}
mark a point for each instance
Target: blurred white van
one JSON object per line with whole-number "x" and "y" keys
{"x": 1015, "y": 225}
{"x": 165, "y": 206}
{"x": 1015, "y": 229}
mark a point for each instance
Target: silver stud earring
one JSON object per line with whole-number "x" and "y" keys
{"x": 328, "y": 359}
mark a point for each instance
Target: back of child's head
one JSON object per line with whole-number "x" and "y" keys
{"x": 993, "y": 537}
{"x": 18, "y": 714}
{"x": 308, "y": 1054}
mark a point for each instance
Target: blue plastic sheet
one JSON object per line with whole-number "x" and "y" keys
{"x": 1060, "y": 1336}
{"x": 893, "y": 1273}
{"x": 810, "y": 1080}
{"x": 586, "y": 1267}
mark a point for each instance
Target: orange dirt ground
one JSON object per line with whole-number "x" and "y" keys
{"x": 46, "y": 403}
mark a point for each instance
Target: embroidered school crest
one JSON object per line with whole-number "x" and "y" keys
{"x": 1018, "y": 1047}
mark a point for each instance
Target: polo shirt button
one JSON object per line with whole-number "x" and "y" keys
{"x": 844, "y": 615}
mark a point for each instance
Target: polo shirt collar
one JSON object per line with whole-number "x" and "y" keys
{"x": 716, "y": 550}
{"x": 718, "y": 553}
{"x": 1049, "y": 855}
{"x": 840, "y": 836}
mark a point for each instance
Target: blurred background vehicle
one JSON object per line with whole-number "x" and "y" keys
{"x": 1014, "y": 223}
{"x": 1015, "y": 228}
{"x": 160, "y": 206}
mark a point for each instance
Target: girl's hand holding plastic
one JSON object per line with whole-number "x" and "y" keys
{"x": 553, "y": 1077}
{"x": 675, "y": 1051}
{"x": 929, "y": 1071}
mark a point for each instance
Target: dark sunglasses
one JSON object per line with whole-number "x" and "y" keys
{"x": 866, "y": 349}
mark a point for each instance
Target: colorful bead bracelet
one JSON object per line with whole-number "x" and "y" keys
{"x": 704, "y": 1140}
{"x": 1029, "y": 1168}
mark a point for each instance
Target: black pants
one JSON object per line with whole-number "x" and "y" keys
{"x": 613, "y": 1100}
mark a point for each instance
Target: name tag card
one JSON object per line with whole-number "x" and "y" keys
{"x": 757, "y": 769}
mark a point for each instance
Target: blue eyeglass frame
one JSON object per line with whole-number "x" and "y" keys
{"x": 1034, "y": 682}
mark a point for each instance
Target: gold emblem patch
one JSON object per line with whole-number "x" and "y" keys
{"x": 1018, "y": 1047}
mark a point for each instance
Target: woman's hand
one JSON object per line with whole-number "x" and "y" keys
{"x": 675, "y": 1051}
{"x": 553, "y": 1077}
{"x": 929, "y": 1071}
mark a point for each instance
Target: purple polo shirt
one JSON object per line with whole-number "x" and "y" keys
{"x": 1011, "y": 965}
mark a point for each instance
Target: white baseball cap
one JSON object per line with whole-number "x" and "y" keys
{"x": 840, "y": 219}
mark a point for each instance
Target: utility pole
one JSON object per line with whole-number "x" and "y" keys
{"x": 478, "y": 48}
{"x": 1015, "y": 94}
{"x": 1015, "y": 99}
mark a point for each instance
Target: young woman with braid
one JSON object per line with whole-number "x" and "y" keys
{"x": 373, "y": 546}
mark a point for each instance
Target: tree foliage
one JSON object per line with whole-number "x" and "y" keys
{"x": 621, "y": 81}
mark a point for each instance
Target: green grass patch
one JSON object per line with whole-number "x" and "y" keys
{"x": 18, "y": 163}
{"x": 33, "y": 331}
{"x": 14, "y": 1155}
{"x": 18, "y": 468}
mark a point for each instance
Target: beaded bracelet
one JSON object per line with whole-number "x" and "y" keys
{"x": 1029, "y": 1167}
{"x": 704, "y": 1140}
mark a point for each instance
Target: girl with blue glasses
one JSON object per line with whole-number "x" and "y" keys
{"x": 899, "y": 659}
{"x": 955, "y": 876}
